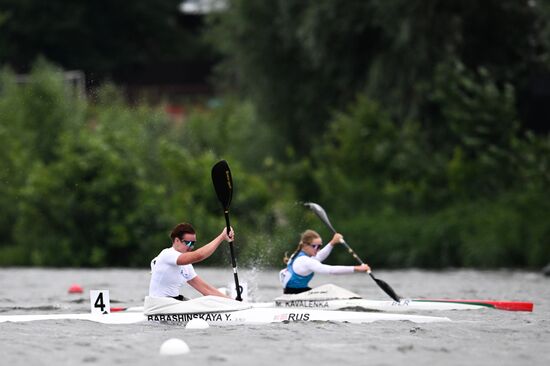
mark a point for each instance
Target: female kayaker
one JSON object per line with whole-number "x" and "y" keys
{"x": 174, "y": 265}
{"x": 306, "y": 261}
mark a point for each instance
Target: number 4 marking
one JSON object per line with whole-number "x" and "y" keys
{"x": 99, "y": 302}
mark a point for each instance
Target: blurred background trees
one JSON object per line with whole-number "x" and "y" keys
{"x": 422, "y": 128}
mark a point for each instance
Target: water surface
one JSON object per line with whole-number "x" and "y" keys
{"x": 477, "y": 337}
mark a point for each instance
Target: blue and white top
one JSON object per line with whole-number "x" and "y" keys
{"x": 302, "y": 267}
{"x": 295, "y": 280}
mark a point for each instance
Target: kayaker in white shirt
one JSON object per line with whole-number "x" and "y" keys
{"x": 174, "y": 266}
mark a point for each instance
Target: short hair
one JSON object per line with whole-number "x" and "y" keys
{"x": 180, "y": 230}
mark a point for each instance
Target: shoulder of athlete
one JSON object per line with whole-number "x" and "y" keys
{"x": 303, "y": 259}
{"x": 189, "y": 258}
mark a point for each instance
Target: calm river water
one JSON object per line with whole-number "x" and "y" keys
{"x": 477, "y": 337}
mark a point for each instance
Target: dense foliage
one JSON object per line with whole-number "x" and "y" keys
{"x": 101, "y": 184}
{"x": 405, "y": 121}
{"x": 300, "y": 60}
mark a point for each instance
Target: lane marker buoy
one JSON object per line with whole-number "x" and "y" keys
{"x": 174, "y": 347}
{"x": 197, "y": 323}
{"x": 75, "y": 289}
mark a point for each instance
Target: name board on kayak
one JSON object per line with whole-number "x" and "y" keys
{"x": 222, "y": 317}
{"x": 302, "y": 304}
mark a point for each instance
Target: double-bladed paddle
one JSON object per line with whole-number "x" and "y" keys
{"x": 320, "y": 212}
{"x": 223, "y": 184}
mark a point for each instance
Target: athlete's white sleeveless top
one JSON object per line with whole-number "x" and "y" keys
{"x": 167, "y": 276}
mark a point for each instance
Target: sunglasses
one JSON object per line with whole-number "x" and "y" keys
{"x": 189, "y": 243}
{"x": 316, "y": 246}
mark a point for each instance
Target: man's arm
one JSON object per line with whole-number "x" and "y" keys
{"x": 204, "y": 288}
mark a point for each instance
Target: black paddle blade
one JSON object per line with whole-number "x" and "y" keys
{"x": 223, "y": 183}
{"x": 319, "y": 211}
{"x": 386, "y": 288}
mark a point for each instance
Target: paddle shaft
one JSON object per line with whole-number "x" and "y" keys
{"x": 320, "y": 212}
{"x": 352, "y": 252}
{"x": 238, "y": 288}
{"x": 383, "y": 285}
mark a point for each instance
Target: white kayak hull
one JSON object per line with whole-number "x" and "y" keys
{"x": 112, "y": 318}
{"x": 404, "y": 305}
{"x": 248, "y": 316}
{"x": 363, "y": 305}
{"x": 360, "y": 305}
{"x": 331, "y": 297}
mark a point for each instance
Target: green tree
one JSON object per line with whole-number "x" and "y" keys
{"x": 292, "y": 65}
{"x": 107, "y": 181}
{"x": 100, "y": 37}
{"x": 482, "y": 129}
{"x": 299, "y": 61}
{"x": 33, "y": 117}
